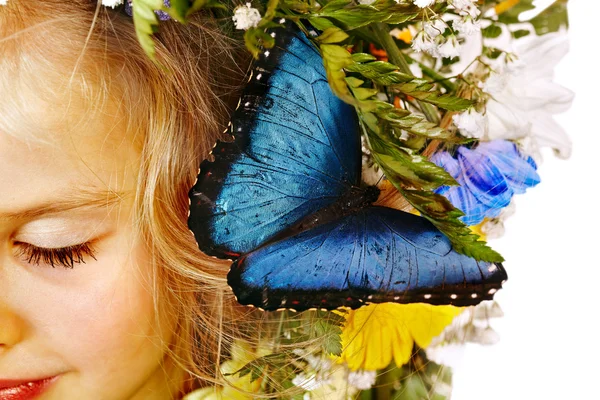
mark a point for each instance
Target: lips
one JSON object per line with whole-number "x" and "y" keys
{"x": 23, "y": 389}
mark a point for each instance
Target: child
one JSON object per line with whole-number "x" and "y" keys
{"x": 101, "y": 293}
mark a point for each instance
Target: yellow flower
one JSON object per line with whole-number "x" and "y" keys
{"x": 376, "y": 333}
{"x": 238, "y": 388}
{"x": 505, "y": 6}
{"x": 477, "y": 229}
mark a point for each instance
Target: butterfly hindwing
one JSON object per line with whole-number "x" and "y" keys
{"x": 296, "y": 149}
{"x": 375, "y": 255}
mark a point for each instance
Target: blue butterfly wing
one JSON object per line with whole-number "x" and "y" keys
{"x": 376, "y": 255}
{"x": 296, "y": 149}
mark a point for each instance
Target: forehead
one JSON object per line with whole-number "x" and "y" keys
{"x": 55, "y": 139}
{"x": 62, "y": 118}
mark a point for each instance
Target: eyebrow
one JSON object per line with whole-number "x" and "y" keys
{"x": 82, "y": 199}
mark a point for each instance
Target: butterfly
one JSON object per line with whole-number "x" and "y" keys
{"x": 283, "y": 199}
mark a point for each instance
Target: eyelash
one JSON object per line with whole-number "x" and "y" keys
{"x": 66, "y": 257}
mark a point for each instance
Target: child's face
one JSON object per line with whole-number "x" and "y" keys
{"x": 93, "y": 327}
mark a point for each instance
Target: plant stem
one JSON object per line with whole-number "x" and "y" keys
{"x": 397, "y": 58}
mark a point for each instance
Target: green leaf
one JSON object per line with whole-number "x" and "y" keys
{"x": 257, "y": 39}
{"x": 400, "y": 119}
{"x": 325, "y": 326}
{"x": 492, "y": 31}
{"x": 551, "y": 19}
{"x": 385, "y": 74}
{"x": 439, "y": 211}
{"x": 335, "y": 5}
{"x": 179, "y": 10}
{"x": 511, "y": 16}
{"x": 519, "y": 33}
{"x": 363, "y": 57}
{"x": 406, "y": 168}
{"x": 198, "y": 5}
{"x": 332, "y": 35}
{"x": 257, "y": 368}
{"x": 321, "y": 23}
{"x": 423, "y": 90}
{"x": 146, "y": 23}
{"x": 354, "y": 82}
{"x": 269, "y": 13}
{"x": 381, "y": 73}
{"x": 335, "y": 59}
{"x": 357, "y": 16}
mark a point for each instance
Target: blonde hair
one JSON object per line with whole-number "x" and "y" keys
{"x": 175, "y": 116}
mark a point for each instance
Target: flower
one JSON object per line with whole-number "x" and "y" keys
{"x": 467, "y": 26}
{"x": 434, "y": 29}
{"x": 3, "y": 2}
{"x": 471, "y": 326}
{"x": 524, "y": 98}
{"x": 362, "y": 380}
{"x": 375, "y": 334}
{"x": 424, "y": 43}
{"x": 449, "y": 49}
{"x": 466, "y": 7}
{"x": 246, "y": 17}
{"x": 112, "y": 3}
{"x": 238, "y": 387}
{"x": 423, "y": 3}
{"x": 489, "y": 175}
{"x": 494, "y": 228}
{"x": 471, "y": 124}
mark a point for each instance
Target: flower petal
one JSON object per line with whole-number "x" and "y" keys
{"x": 483, "y": 178}
{"x": 519, "y": 172}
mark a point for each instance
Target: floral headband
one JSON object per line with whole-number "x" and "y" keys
{"x": 348, "y": 102}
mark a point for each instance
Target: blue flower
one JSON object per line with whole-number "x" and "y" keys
{"x": 489, "y": 175}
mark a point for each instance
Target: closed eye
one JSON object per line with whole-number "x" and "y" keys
{"x": 66, "y": 257}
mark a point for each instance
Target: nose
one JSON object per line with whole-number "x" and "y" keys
{"x": 11, "y": 328}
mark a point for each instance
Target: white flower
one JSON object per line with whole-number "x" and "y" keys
{"x": 246, "y": 17}
{"x": 366, "y": 2}
{"x": 466, "y": 7}
{"x": 309, "y": 382}
{"x": 112, "y": 3}
{"x": 423, "y": 3}
{"x": 471, "y": 124}
{"x": 449, "y": 49}
{"x": 434, "y": 29}
{"x": 362, "y": 380}
{"x": 422, "y": 42}
{"x": 467, "y": 26}
{"x": 524, "y": 98}
{"x": 494, "y": 228}
{"x": 3, "y": 2}
{"x": 371, "y": 173}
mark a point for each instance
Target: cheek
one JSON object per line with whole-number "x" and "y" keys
{"x": 101, "y": 317}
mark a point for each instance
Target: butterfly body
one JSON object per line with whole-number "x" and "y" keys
{"x": 285, "y": 199}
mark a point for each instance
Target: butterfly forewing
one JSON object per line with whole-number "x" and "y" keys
{"x": 296, "y": 149}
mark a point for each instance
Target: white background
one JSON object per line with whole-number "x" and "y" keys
{"x": 550, "y": 343}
